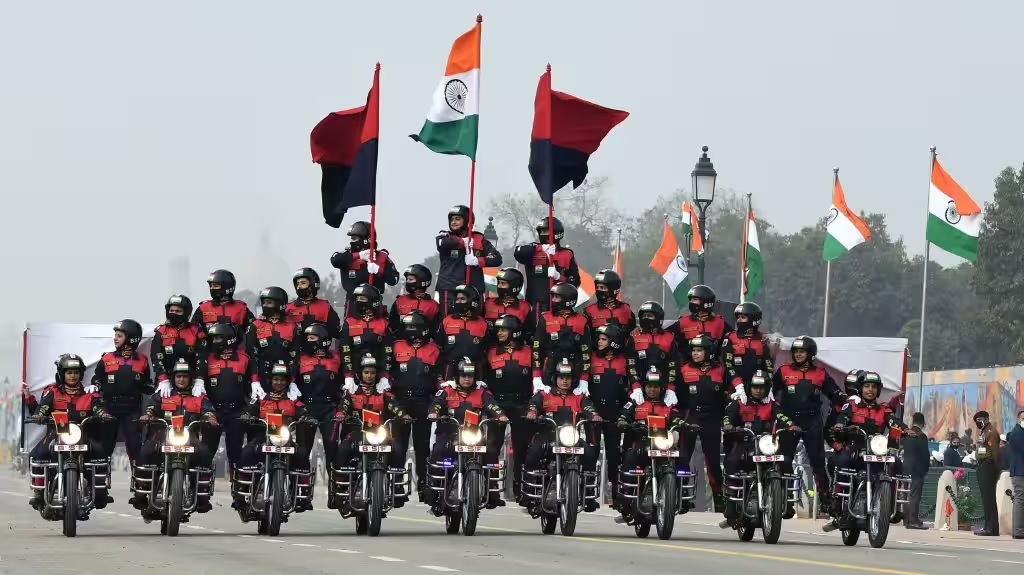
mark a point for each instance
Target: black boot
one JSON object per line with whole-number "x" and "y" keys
{"x": 719, "y": 502}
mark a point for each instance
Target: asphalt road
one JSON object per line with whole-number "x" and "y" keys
{"x": 508, "y": 542}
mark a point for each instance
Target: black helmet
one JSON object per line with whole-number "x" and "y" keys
{"x": 705, "y": 342}
{"x": 472, "y": 303}
{"x": 281, "y": 368}
{"x": 182, "y": 366}
{"x": 417, "y": 278}
{"x": 752, "y": 311}
{"x": 807, "y": 344}
{"x": 515, "y": 281}
{"x": 854, "y": 378}
{"x": 278, "y": 299}
{"x": 359, "y": 236}
{"x": 69, "y": 362}
{"x": 565, "y": 368}
{"x": 178, "y": 300}
{"x": 414, "y": 326}
{"x": 368, "y": 360}
{"x": 609, "y": 279}
{"x": 650, "y": 307}
{"x": 462, "y": 212}
{"x": 612, "y": 332}
{"x": 872, "y": 378}
{"x": 132, "y": 332}
{"x": 653, "y": 377}
{"x": 706, "y": 296}
{"x": 512, "y": 324}
{"x": 323, "y": 342}
{"x": 466, "y": 367}
{"x": 757, "y": 380}
{"x": 544, "y": 233}
{"x": 226, "y": 281}
{"x": 367, "y": 299}
{"x": 314, "y": 283}
{"x": 225, "y": 332}
{"x": 568, "y": 295}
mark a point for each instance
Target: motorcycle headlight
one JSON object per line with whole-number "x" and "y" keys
{"x": 281, "y": 438}
{"x": 470, "y": 436}
{"x": 568, "y": 436}
{"x": 663, "y": 442}
{"x": 767, "y": 445}
{"x": 177, "y": 439}
{"x": 72, "y": 436}
{"x": 879, "y": 444}
{"x": 377, "y": 435}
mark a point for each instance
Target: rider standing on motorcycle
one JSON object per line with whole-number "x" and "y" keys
{"x": 609, "y": 373}
{"x": 701, "y": 319}
{"x": 271, "y": 338}
{"x": 416, "y": 364}
{"x": 222, "y": 307}
{"x": 67, "y": 395}
{"x": 183, "y": 400}
{"x": 416, "y": 298}
{"x": 364, "y": 331}
{"x": 307, "y": 309}
{"x": 609, "y": 309}
{"x": 746, "y": 351}
{"x": 463, "y": 394}
{"x": 464, "y": 333}
{"x": 123, "y": 377}
{"x": 319, "y": 384}
{"x": 558, "y": 403}
{"x": 563, "y": 335}
{"x": 178, "y": 338}
{"x": 462, "y": 256}
{"x": 651, "y": 346}
{"x": 546, "y": 264}
{"x": 233, "y": 379}
{"x": 356, "y": 264}
{"x": 798, "y": 387}
{"x": 704, "y": 398}
{"x": 853, "y": 380}
{"x": 508, "y": 375}
{"x": 506, "y": 302}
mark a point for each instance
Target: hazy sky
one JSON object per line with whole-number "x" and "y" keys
{"x": 133, "y": 134}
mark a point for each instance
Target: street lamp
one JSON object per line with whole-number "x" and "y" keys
{"x": 491, "y": 234}
{"x": 703, "y": 176}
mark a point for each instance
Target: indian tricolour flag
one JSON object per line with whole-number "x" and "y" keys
{"x": 670, "y": 264}
{"x": 453, "y": 121}
{"x": 954, "y": 219}
{"x": 751, "y": 262}
{"x": 691, "y": 227}
{"x": 586, "y": 289}
{"x": 844, "y": 229}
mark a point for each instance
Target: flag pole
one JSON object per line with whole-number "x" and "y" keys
{"x": 551, "y": 222}
{"x": 663, "y": 283}
{"x": 743, "y": 252}
{"x": 828, "y": 267}
{"x": 618, "y": 254}
{"x": 472, "y": 173}
{"x": 924, "y": 295}
{"x": 373, "y": 206}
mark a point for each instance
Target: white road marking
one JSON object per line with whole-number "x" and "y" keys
{"x": 704, "y": 532}
{"x": 389, "y": 559}
{"x": 195, "y": 527}
{"x": 936, "y": 555}
{"x": 349, "y": 551}
{"x": 272, "y": 540}
{"x": 304, "y": 545}
{"x": 437, "y": 568}
{"x": 247, "y": 536}
{"x": 125, "y": 515}
{"x": 217, "y": 531}
{"x": 1005, "y": 561}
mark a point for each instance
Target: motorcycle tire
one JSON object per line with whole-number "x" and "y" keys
{"x": 878, "y": 523}
{"x": 375, "y": 507}
{"x": 471, "y": 508}
{"x": 774, "y": 507}
{"x": 175, "y": 501}
{"x": 71, "y": 491}
{"x": 275, "y": 503}
{"x": 665, "y": 514}
{"x": 569, "y": 509}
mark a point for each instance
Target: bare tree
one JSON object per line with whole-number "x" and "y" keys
{"x": 516, "y": 214}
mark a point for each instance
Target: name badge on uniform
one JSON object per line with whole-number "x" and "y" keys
{"x": 791, "y": 388}
{"x": 110, "y": 379}
{"x": 554, "y": 336}
{"x": 357, "y": 340}
{"x": 737, "y": 360}
{"x": 168, "y": 349}
{"x": 642, "y": 354}
{"x": 539, "y": 270}
{"x": 264, "y": 343}
{"x": 597, "y": 379}
{"x": 352, "y": 274}
{"x": 748, "y": 424}
{"x": 451, "y": 339}
{"x": 454, "y": 254}
{"x": 305, "y": 378}
{"x": 403, "y": 367}
{"x": 497, "y": 373}
{"x": 213, "y": 382}
{"x": 693, "y": 390}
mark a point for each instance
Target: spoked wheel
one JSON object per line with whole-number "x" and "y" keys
{"x": 642, "y": 529}
{"x": 850, "y": 536}
{"x": 71, "y": 480}
{"x": 471, "y": 510}
{"x": 274, "y": 508}
{"x": 375, "y": 507}
{"x": 175, "y": 502}
{"x": 774, "y": 506}
{"x": 878, "y": 523}
{"x": 548, "y": 523}
{"x": 570, "y": 507}
{"x": 665, "y": 506}
{"x": 745, "y": 533}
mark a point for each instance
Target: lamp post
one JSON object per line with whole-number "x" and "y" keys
{"x": 491, "y": 234}
{"x": 703, "y": 181}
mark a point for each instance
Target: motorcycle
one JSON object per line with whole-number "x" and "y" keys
{"x": 868, "y": 499}
{"x": 71, "y": 493}
{"x": 270, "y": 491}
{"x": 464, "y": 485}
{"x": 657, "y": 493}
{"x": 368, "y": 490}
{"x": 173, "y": 488}
{"x": 557, "y": 494}
{"x": 760, "y": 498}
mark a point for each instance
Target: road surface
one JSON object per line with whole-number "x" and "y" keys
{"x": 508, "y": 542}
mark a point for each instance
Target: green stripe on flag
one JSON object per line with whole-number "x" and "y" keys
{"x": 453, "y": 138}
{"x": 833, "y": 249}
{"x": 951, "y": 239}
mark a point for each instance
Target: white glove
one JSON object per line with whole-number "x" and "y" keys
{"x": 739, "y": 395}
{"x": 350, "y": 385}
{"x": 468, "y": 242}
{"x": 164, "y": 389}
{"x": 449, "y": 383}
{"x": 364, "y": 255}
{"x": 538, "y": 386}
{"x": 257, "y": 391}
{"x": 855, "y": 399}
{"x": 472, "y": 260}
{"x": 372, "y": 268}
{"x": 198, "y": 387}
{"x": 582, "y": 388}
{"x": 637, "y": 396}
{"x": 771, "y": 396}
{"x": 480, "y": 385}
{"x": 553, "y": 273}
{"x": 293, "y": 392}
{"x": 383, "y": 385}
{"x": 550, "y": 249}
{"x": 91, "y": 389}
{"x": 670, "y": 398}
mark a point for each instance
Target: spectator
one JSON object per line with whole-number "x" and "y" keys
{"x": 952, "y": 457}
{"x": 1015, "y": 465}
{"x": 916, "y": 460}
{"x": 987, "y": 452}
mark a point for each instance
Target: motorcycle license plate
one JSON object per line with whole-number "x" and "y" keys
{"x": 568, "y": 450}
{"x": 177, "y": 449}
{"x": 471, "y": 448}
{"x": 880, "y": 458}
{"x": 375, "y": 449}
{"x": 767, "y": 458}
{"x": 275, "y": 449}
{"x": 71, "y": 448}
{"x": 662, "y": 453}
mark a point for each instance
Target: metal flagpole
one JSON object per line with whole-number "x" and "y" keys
{"x": 663, "y": 283}
{"x": 924, "y": 294}
{"x": 828, "y": 266}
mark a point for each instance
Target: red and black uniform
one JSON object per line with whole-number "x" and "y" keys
{"x": 78, "y": 405}
{"x": 451, "y": 250}
{"x": 615, "y": 312}
{"x": 565, "y": 409}
{"x": 508, "y": 372}
{"x": 609, "y": 382}
{"x": 305, "y": 313}
{"x": 290, "y": 410}
{"x": 173, "y": 342}
{"x": 462, "y": 335}
{"x": 178, "y": 403}
{"x": 319, "y": 377}
{"x": 361, "y": 336}
{"x": 535, "y": 263}
{"x": 703, "y": 396}
{"x": 634, "y": 456}
{"x": 757, "y": 415}
{"x": 745, "y": 354}
{"x": 229, "y": 311}
{"x": 416, "y": 374}
{"x": 366, "y": 397}
{"x": 656, "y": 348}
{"x": 564, "y": 335}
{"x": 691, "y": 325}
{"x": 495, "y": 307}
{"x": 229, "y": 378}
{"x": 123, "y": 378}
{"x": 455, "y": 401}
{"x": 353, "y": 272}
{"x": 269, "y": 341}
{"x": 874, "y": 418}
{"x": 30, "y": 401}
{"x": 410, "y": 302}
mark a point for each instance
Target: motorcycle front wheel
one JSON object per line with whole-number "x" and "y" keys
{"x": 570, "y": 506}
{"x": 665, "y": 514}
{"x": 774, "y": 507}
{"x": 71, "y": 481}
{"x": 375, "y": 507}
{"x": 471, "y": 509}
{"x": 878, "y": 523}
{"x": 274, "y": 509}
{"x": 175, "y": 497}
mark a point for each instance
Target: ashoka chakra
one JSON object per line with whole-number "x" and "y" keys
{"x": 455, "y": 93}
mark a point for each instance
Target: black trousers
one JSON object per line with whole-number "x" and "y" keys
{"x": 231, "y": 428}
{"x": 305, "y": 435}
{"x": 419, "y": 429}
{"x": 988, "y": 476}
{"x": 123, "y": 424}
{"x": 710, "y": 423}
{"x": 522, "y": 430}
{"x": 612, "y": 435}
{"x": 814, "y": 443}
{"x": 913, "y": 514}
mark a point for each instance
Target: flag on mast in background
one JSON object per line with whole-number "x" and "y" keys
{"x": 670, "y": 264}
{"x": 844, "y": 230}
{"x": 691, "y": 227}
{"x": 954, "y": 219}
{"x": 753, "y": 266}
